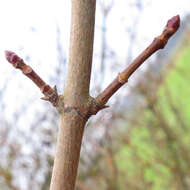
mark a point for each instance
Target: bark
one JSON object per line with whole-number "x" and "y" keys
{"x": 76, "y": 96}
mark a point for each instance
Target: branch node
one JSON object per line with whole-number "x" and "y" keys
{"x": 122, "y": 78}
{"x": 26, "y": 69}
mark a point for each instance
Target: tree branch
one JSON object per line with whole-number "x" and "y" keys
{"x": 158, "y": 43}
{"x": 76, "y": 96}
{"x": 50, "y": 93}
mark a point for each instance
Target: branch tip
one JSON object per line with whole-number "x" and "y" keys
{"x": 173, "y": 23}
{"x": 158, "y": 43}
{"x": 11, "y": 57}
{"x": 51, "y": 94}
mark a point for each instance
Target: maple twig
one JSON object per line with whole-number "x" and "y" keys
{"x": 50, "y": 93}
{"x": 158, "y": 43}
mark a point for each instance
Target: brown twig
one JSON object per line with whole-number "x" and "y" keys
{"x": 158, "y": 43}
{"x": 50, "y": 93}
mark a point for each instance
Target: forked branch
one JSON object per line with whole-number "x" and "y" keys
{"x": 50, "y": 93}
{"x": 122, "y": 78}
{"x": 158, "y": 43}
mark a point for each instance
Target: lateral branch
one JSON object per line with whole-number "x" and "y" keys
{"x": 50, "y": 93}
{"x": 122, "y": 78}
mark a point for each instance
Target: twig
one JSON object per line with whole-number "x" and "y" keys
{"x": 50, "y": 93}
{"x": 158, "y": 43}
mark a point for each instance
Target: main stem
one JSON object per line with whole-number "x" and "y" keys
{"x": 76, "y": 95}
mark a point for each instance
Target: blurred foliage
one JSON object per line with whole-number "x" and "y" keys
{"x": 157, "y": 155}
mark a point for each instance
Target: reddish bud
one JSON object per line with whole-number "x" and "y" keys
{"x": 174, "y": 22}
{"x": 11, "y": 57}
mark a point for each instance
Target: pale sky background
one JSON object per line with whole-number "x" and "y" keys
{"x": 28, "y": 27}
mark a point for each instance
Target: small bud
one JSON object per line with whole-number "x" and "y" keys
{"x": 11, "y": 57}
{"x": 45, "y": 98}
{"x": 174, "y": 23}
{"x": 55, "y": 89}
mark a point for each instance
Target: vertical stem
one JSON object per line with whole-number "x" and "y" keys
{"x": 81, "y": 47}
{"x": 67, "y": 152}
{"x": 76, "y": 94}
